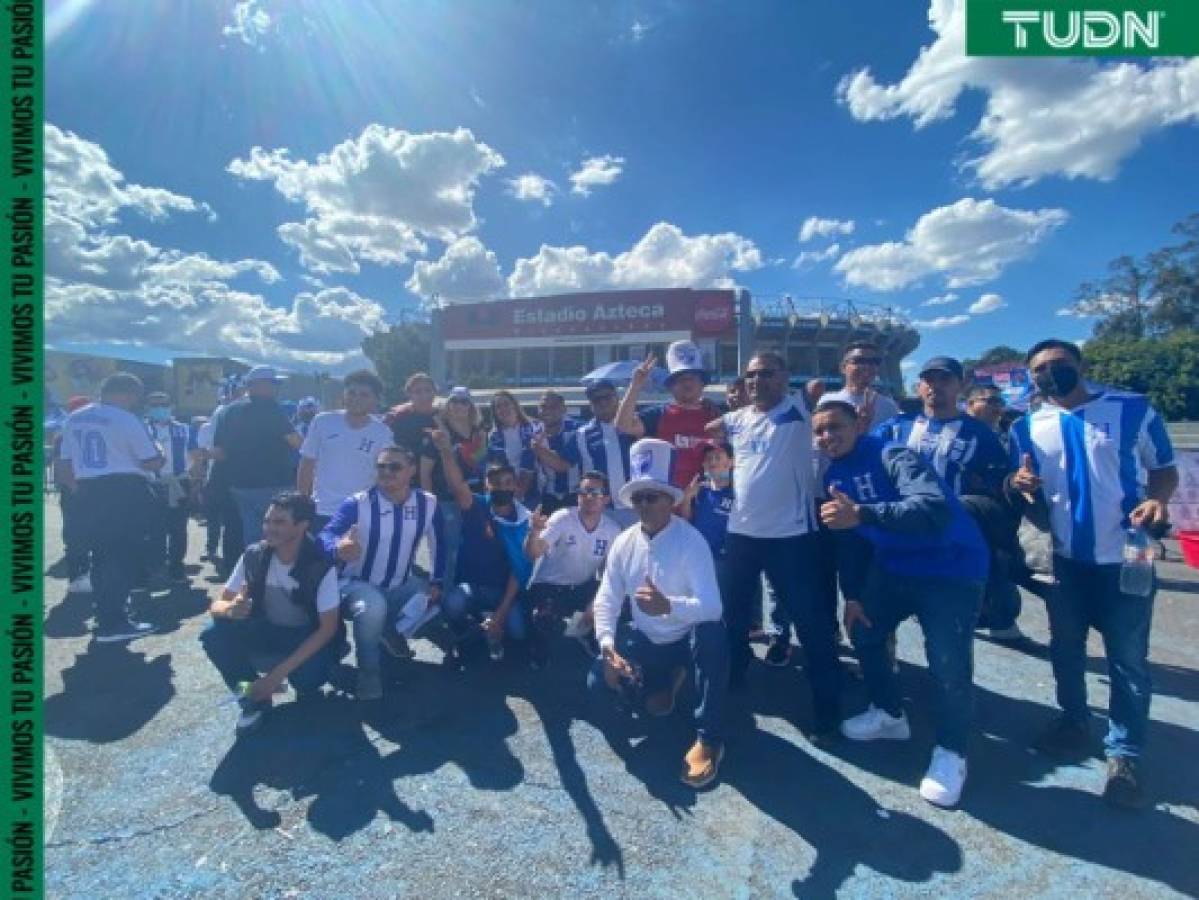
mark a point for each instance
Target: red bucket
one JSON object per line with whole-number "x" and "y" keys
{"x": 1190, "y": 547}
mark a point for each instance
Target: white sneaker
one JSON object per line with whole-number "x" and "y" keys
{"x": 942, "y": 783}
{"x": 877, "y": 725}
{"x": 125, "y": 631}
{"x": 80, "y": 585}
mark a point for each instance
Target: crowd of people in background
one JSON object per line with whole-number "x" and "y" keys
{"x": 654, "y": 534}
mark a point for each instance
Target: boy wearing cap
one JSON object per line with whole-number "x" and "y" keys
{"x": 905, "y": 547}
{"x": 680, "y": 423}
{"x": 663, "y": 567}
{"x": 257, "y": 442}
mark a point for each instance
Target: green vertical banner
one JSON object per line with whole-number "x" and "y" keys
{"x": 22, "y": 464}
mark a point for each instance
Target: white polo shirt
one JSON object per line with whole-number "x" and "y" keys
{"x": 574, "y": 554}
{"x": 679, "y": 562}
{"x": 345, "y": 457}
{"x": 773, "y": 470}
{"x": 101, "y": 439}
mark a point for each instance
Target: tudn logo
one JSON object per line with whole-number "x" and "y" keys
{"x": 1094, "y": 29}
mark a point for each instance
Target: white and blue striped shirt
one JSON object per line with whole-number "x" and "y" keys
{"x": 1091, "y": 460}
{"x": 389, "y": 533}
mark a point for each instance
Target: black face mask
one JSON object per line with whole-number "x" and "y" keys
{"x": 502, "y": 498}
{"x": 1058, "y": 380}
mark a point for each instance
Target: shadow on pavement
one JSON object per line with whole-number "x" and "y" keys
{"x": 315, "y": 749}
{"x": 166, "y": 610}
{"x": 109, "y": 693}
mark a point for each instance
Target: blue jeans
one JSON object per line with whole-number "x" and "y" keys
{"x": 466, "y": 600}
{"x": 947, "y": 609}
{"x": 252, "y": 505}
{"x": 239, "y": 647}
{"x": 1087, "y": 596}
{"x": 705, "y": 653}
{"x": 369, "y": 610}
{"x": 451, "y": 535}
{"x": 791, "y": 565}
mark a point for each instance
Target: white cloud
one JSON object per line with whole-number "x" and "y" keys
{"x": 105, "y": 287}
{"x": 467, "y": 271}
{"x": 940, "y": 299}
{"x": 664, "y": 257}
{"x": 987, "y": 303}
{"x": 533, "y": 187}
{"x": 595, "y": 172}
{"x": 251, "y": 23}
{"x": 1072, "y": 117}
{"x": 814, "y": 226}
{"x": 374, "y": 197}
{"x": 812, "y": 257}
{"x": 941, "y": 322}
{"x": 967, "y": 242}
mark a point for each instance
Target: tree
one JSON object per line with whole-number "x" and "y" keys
{"x": 994, "y": 357}
{"x": 1167, "y": 369}
{"x": 397, "y": 353}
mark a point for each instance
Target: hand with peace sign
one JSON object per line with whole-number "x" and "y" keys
{"x": 840, "y": 512}
{"x": 349, "y": 548}
{"x": 537, "y": 520}
{"x": 642, "y": 373}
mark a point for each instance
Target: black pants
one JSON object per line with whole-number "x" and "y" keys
{"x": 998, "y": 523}
{"x": 116, "y": 512}
{"x": 74, "y": 541}
{"x": 213, "y": 518}
{"x": 561, "y": 599}
{"x": 790, "y": 565}
{"x": 168, "y": 541}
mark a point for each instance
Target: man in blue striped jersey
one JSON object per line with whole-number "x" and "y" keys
{"x": 1084, "y": 452}
{"x": 375, "y": 535}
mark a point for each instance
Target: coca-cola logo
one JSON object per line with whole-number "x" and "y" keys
{"x": 713, "y": 314}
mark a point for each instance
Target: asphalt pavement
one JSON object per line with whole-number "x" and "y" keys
{"x": 491, "y": 781}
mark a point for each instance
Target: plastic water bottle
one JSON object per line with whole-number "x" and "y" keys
{"x": 1136, "y": 573}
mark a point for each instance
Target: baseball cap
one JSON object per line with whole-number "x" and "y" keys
{"x": 943, "y": 364}
{"x": 262, "y": 373}
{"x": 602, "y": 385}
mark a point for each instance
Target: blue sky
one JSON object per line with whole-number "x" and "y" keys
{"x": 482, "y": 149}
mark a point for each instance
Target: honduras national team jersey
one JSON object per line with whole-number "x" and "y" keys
{"x": 389, "y": 534}
{"x": 102, "y": 439}
{"x": 1090, "y": 460}
{"x": 964, "y": 452}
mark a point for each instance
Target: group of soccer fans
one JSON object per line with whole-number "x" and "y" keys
{"x": 650, "y": 533}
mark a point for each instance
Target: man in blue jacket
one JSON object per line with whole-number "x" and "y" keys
{"x": 927, "y": 558}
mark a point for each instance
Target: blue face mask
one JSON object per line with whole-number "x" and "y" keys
{"x": 160, "y": 413}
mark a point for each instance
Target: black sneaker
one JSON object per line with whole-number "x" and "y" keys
{"x": 123, "y": 631}
{"x": 251, "y": 715}
{"x": 1123, "y": 788}
{"x": 778, "y": 654}
{"x": 1065, "y": 739}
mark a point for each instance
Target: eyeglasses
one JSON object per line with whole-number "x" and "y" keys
{"x": 761, "y": 373}
{"x": 865, "y": 360}
{"x": 642, "y": 497}
{"x": 392, "y": 467}
{"x": 593, "y": 492}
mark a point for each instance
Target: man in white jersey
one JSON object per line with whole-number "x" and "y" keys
{"x": 1083, "y": 453}
{"x": 337, "y": 458}
{"x": 374, "y": 535}
{"x": 108, "y": 456}
{"x": 571, "y": 545}
{"x": 773, "y": 528}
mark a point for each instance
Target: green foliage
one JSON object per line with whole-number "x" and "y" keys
{"x": 993, "y": 357}
{"x": 398, "y": 353}
{"x": 1166, "y": 369}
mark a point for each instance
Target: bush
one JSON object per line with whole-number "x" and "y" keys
{"x": 1167, "y": 369}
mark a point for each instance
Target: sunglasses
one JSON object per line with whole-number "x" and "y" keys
{"x": 593, "y": 492}
{"x": 761, "y": 373}
{"x": 392, "y": 467}
{"x": 642, "y": 497}
{"x": 865, "y": 361}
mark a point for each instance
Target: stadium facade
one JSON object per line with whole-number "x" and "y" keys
{"x": 553, "y": 340}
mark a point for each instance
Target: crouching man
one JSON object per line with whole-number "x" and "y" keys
{"x": 278, "y": 613}
{"x": 905, "y": 547}
{"x": 664, "y": 567}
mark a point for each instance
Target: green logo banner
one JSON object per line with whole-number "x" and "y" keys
{"x": 1094, "y": 28}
